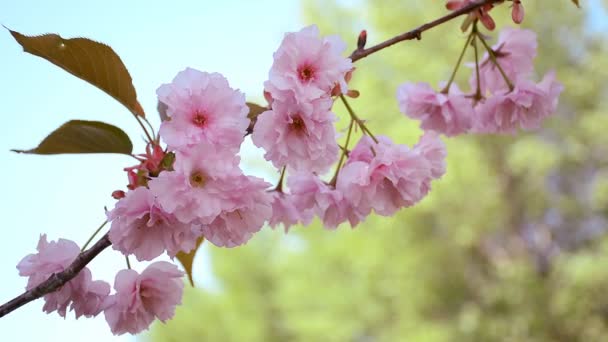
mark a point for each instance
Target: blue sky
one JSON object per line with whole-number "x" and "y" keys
{"x": 64, "y": 196}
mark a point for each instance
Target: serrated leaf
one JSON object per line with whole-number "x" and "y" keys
{"x": 86, "y": 59}
{"x": 186, "y": 259}
{"x": 78, "y": 136}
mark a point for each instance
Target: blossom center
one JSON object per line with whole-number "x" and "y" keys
{"x": 199, "y": 119}
{"x": 297, "y": 124}
{"x": 198, "y": 179}
{"x": 306, "y": 73}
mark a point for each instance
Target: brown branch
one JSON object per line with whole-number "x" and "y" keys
{"x": 56, "y": 280}
{"x": 417, "y": 32}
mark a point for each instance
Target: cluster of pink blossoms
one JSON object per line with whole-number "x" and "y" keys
{"x": 507, "y": 99}
{"x": 194, "y": 188}
{"x": 138, "y": 298}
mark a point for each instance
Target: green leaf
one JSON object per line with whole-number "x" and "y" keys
{"x": 89, "y": 60}
{"x": 79, "y": 136}
{"x": 186, "y": 259}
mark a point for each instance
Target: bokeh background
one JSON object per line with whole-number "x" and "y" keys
{"x": 510, "y": 245}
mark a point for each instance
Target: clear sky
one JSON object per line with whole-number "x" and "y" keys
{"x": 64, "y": 196}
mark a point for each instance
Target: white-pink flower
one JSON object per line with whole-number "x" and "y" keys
{"x": 247, "y": 205}
{"x": 307, "y": 66}
{"x": 449, "y": 114}
{"x": 524, "y": 107}
{"x": 299, "y": 135}
{"x": 140, "y": 298}
{"x": 311, "y": 195}
{"x": 81, "y": 294}
{"x": 285, "y": 212}
{"x": 142, "y": 228}
{"x": 389, "y": 177}
{"x": 203, "y": 108}
{"x": 194, "y": 190}
{"x": 515, "y": 52}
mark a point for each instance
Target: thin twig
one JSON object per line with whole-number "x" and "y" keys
{"x": 56, "y": 280}
{"x": 417, "y": 32}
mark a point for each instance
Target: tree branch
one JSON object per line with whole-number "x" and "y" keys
{"x": 417, "y": 32}
{"x": 56, "y": 280}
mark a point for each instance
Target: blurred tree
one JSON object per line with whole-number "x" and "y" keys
{"x": 510, "y": 245}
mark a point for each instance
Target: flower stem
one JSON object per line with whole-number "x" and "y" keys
{"x": 344, "y": 152}
{"x": 495, "y": 61}
{"x": 458, "y": 63}
{"x": 144, "y": 128}
{"x": 478, "y": 94}
{"x": 93, "y": 236}
{"x": 359, "y": 122}
{"x": 128, "y": 262}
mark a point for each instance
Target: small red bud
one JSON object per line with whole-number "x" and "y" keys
{"x": 118, "y": 194}
{"x": 362, "y": 40}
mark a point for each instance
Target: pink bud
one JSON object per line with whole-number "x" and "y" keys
{"x": 118, "y": 194}
{"x": 518, "y": 12}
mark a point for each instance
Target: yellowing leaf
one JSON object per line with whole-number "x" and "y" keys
{"x": 254, "y": 111}
{"x": 91, "y": 61}
{"x": 79, "y": 136}
{"x": 186, "y": 259}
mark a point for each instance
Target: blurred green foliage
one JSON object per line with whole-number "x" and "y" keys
{"x": 509, "y": 246}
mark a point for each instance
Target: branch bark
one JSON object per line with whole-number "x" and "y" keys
{"x": 56, "y": 280}
{"x": 417, "y": 32}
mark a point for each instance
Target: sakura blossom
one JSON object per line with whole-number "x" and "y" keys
{"x": 307, "y": 66}
{"x": 515, "y": 52}
{"x": 142, "y": 228}
{"x": 81, "y": 294}
{"x": 524, "y": 107}
{"x": 386, "y": 177}
{"x": 299, "y": 135}
{"x": 311, "y": 195}
{"x": 202, "y": 107}
{"x": 141, "y": 298}
{"x": 450, "y": 113}
{"x": 285, "y": 212}
{"x": 193, "y": 191}
{"x": 248, "y": 206}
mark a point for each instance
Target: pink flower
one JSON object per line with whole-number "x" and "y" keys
{"x": 308, "y": 66}
{"x": 299, "y": 135}
{"x": 433, "y": 149}
{"x": 311, "y": 195}
{"x": 449, "y": 114}
{"x": 285, "y": 212}
{"x": 193, "y": 191}
{"x": 142, "y": 228}
{"x": 524, "y": 107}
{"x": 140, "y": 298}
{"x": 83, "y": 295}
{"x": 389, "y": 177}
{"x": 515, "y": 52}
{"x": 247, "y": 207}
{"x": 203, "y": 108}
